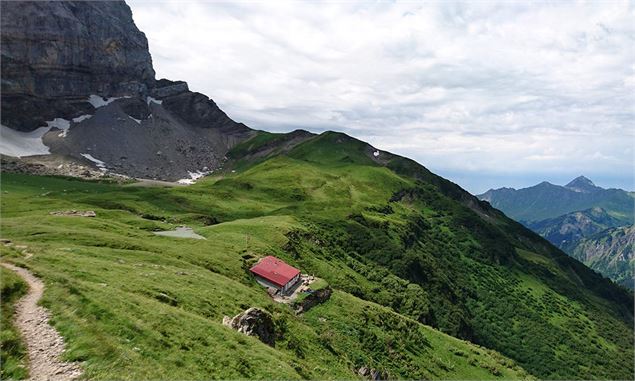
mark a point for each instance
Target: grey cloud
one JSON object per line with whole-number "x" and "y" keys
{"x": 448, "y": 83}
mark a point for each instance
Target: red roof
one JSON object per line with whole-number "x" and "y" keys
{"x": 275, "y": 270}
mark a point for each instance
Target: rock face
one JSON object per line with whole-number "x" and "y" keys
{"x": 253, "y": 322}
{"x": 83, "y": 71}
{"x": 56, "y": 53}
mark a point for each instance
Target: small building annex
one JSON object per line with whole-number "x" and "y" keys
{"x": 275, "y": 273}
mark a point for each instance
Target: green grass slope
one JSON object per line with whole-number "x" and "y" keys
{"x": 133, "y": 305}
{"x": 13, "y": 364}
{"x": 403, "y": 248}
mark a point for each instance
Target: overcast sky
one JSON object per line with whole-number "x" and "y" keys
{"x": 485, "y": 94}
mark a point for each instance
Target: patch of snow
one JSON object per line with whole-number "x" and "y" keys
{"x": 18, "y": 144}
{"x": 100, "y": 164}
{"x": 98, "y": 101}
{"x": 181, "y": 232}
{"x": 82, "y": 118}
{"x": 153, "y": 100}
{"x": 193, "y": 177}
{"x": 61, "y": 124}
{"x": 136, "y": 120}
{"x": 376, "y": 153}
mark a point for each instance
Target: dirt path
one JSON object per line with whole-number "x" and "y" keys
{"x": 44, "y": 343}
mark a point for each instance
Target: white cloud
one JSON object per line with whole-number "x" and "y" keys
{"x": 479, "y": 87}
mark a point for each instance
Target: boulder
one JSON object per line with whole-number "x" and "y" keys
{"x": 254, "y": 322}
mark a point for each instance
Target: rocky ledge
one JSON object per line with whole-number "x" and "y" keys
{"x": 312, "y": 300}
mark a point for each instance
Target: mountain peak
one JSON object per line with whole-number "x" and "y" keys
{"x": 543, "y": 185}
{"x": 582, "y": 184}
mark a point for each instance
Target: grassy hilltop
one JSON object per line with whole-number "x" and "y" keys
{"x": 413, "y": 260}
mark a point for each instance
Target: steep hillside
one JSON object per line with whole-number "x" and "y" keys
{"x": 133, "y": 305}
{"x": 546, "y": 200}
{"x": 610, "y": 252}
{"x": 383, "y": 231}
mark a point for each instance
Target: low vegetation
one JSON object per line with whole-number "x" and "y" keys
{"x": 411, "y": 262}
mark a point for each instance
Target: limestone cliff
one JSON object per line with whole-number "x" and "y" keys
{"x": 56, "y": 54}
{"x": 78, "y": 81}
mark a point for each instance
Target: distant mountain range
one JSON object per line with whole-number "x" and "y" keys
{"x": 546, "y": 200}
{"x": 565, "y": 231}
{"x": 590, "y": 223}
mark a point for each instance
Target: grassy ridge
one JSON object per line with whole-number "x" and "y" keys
{"x": 387, "y": 234}
{"x": 133, "y": 305}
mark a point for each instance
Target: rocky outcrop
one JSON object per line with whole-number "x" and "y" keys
{"x": 165, "y": 88}
{"x": 312, "y": 300}
{"x": 74, "y": 213}
{"x": 56, "y": 54}
{"x": 198, "y": 110}
{"x": 372, "y": 374}
{"x": 253, "y": 322}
